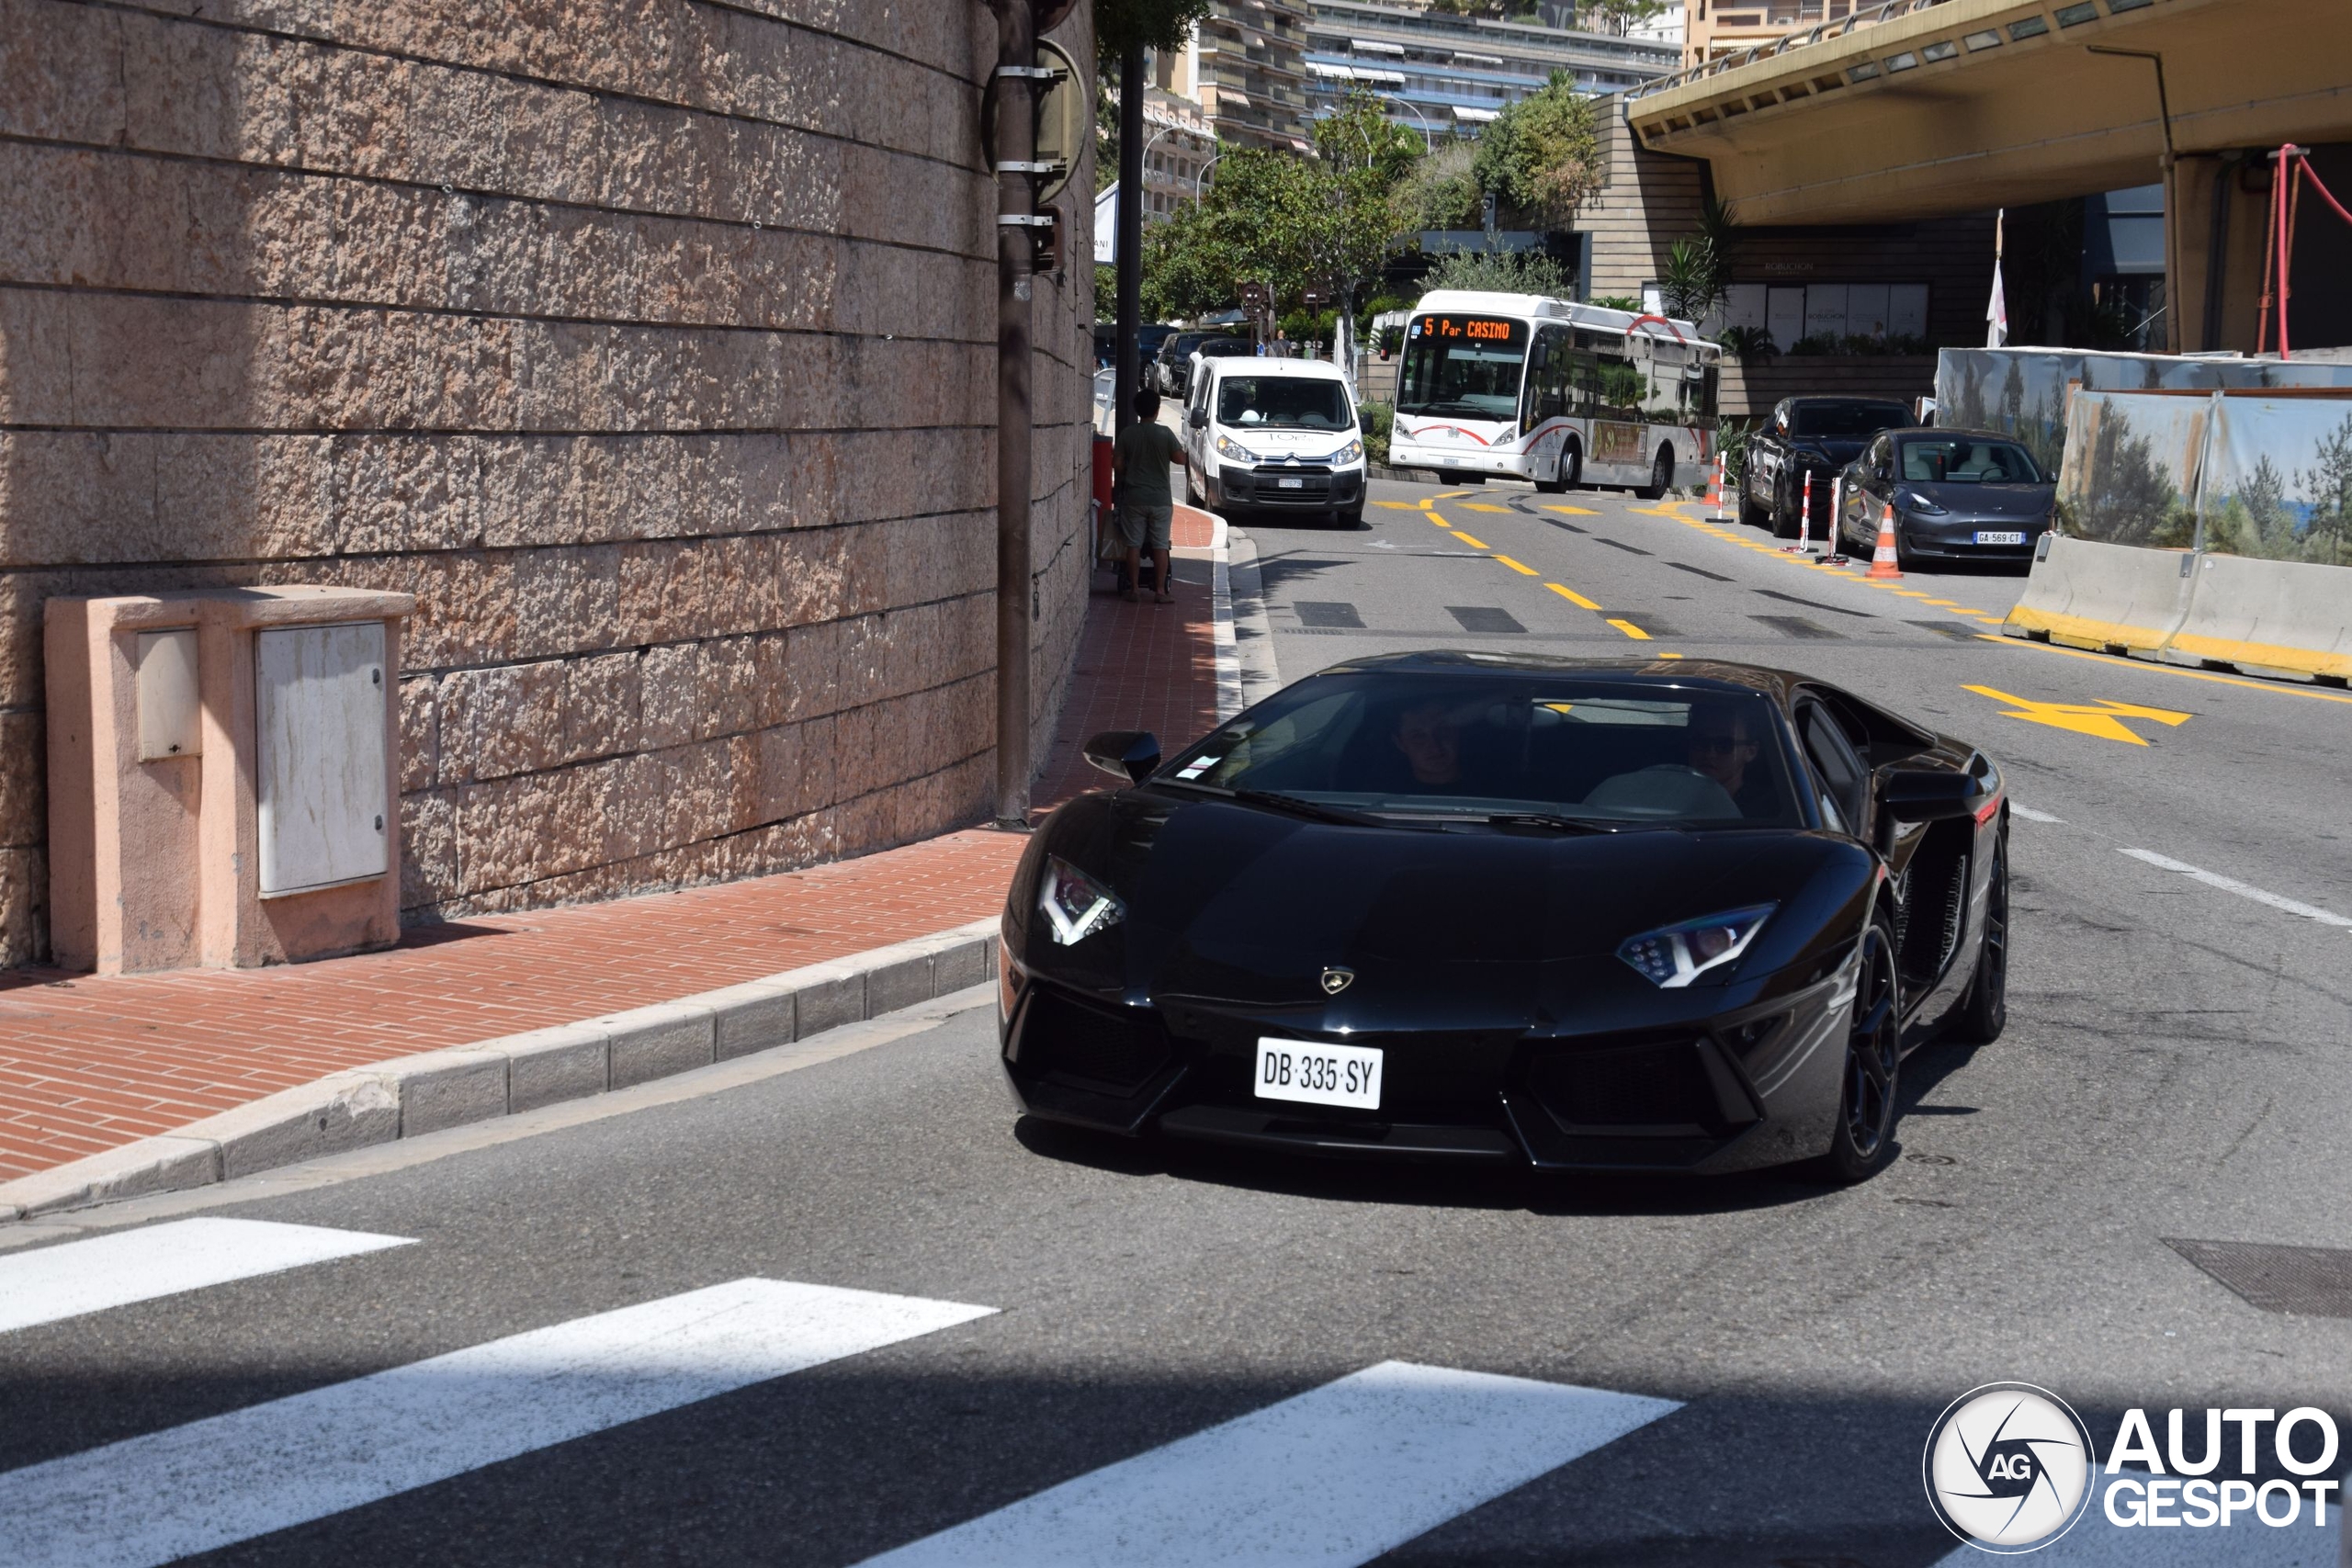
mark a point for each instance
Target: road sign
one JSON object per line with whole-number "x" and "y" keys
{"x": 1064, "y": 116}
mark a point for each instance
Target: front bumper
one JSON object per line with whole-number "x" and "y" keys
{"x": 1952, "y": 537}
{"x": 1319, "y": 489}
{"x": 1758, "y": 1085}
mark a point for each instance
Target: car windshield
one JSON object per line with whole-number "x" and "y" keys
{"x": 1282, "y": 402}
{"x": 1965, "y": 460}
{"x": 1450, "y": 747}
{"x": 1466, "y": 367}
{"x": 1850, "y": 421}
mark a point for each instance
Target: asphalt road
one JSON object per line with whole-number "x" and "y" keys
{"x": 1766, "y": 1355}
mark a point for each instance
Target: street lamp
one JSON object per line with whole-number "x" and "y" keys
{"x": 1429, "y": 143}
{"x": 1201, "y": 179}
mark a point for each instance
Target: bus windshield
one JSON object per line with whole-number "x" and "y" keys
{"x": 1468, "y": 367}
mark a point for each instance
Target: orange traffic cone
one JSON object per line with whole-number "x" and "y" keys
{"x": 1883, "y": 559}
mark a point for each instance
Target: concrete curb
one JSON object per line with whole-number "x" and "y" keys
{"x": 410, "y": 1096}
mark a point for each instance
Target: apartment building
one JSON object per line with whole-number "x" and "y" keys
{"x": 1713, "y": 29}
{"x": 1245, "y": 66}
{"x": 1444, "y": 73}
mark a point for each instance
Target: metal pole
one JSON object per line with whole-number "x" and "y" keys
{"x": 1016, "y": 148}
{"x": 2172, "y": 190}
{"x": 1129, "y": 363}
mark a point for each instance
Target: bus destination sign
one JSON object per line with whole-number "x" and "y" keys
{"x": 1472, "y": 329}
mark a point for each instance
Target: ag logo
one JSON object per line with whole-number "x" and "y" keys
{"x": 1336, "y": 979}
{"x": 2008, "y": 1466}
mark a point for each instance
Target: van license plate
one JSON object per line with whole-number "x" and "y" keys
{"x": 1999, "y": 537}
{"x": 1290, "y": 484}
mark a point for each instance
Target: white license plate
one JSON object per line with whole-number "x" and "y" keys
{"x": 1290, "y": 484}
{"x": 1319, "y": 1075}
{"x": 1999, "y": 537}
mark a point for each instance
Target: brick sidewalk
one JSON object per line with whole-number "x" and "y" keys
{"x": 89, "y": 1064}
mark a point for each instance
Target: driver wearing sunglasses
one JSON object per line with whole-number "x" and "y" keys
{"x": 1718, "y": 744}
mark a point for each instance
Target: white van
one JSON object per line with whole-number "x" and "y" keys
{"x": 1276, "y": 435}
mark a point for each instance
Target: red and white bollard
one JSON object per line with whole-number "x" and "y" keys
{"x": 1836, "y": 540}
{"x": 1804, "y": 546}
{"x": 1715, "y": 497}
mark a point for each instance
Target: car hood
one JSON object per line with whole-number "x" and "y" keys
{"x": 1976, "y": 500}
{"x": 1236, "y": 904}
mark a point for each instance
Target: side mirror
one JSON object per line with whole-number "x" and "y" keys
{"x": 1198, "y": 419}
{"x": 1924, "y": 796}
{"x": 1128, "y": 755}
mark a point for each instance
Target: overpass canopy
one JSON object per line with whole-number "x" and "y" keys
{"x": 1920, "y": 109}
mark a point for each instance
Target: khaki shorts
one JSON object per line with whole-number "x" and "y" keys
{"x": 1145, "y": 527}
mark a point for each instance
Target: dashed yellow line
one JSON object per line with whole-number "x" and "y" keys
{"x": 1398, "y": 505}
{"x": 1439, "y": 521}
{"x": 1522, "y": 571}
{"x": 1474, "y": 544}
{"x": 1571, "y": 511}
{"x": 1631, "y": 631}
{"x": 1482, "y": 506}
{"x": 1572, "y": 596}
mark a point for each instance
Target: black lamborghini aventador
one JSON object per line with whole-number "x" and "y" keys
{"x": 1598, "y": 915}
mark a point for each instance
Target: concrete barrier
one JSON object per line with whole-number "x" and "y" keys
{"x": 2087, "y": 594}
{"x": 2270, "y": 617}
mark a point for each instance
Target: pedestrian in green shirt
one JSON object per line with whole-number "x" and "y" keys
{"x": 1145, "y": 510}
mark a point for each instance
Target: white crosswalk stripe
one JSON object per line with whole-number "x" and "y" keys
{"x": 228, "y": 1478}
{"x": 2247, "y": 1542}
{"x": 1337, "y": 1475}
{"x": 52, "y": 1283}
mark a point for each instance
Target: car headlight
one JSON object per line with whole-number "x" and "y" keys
{"x": 1913, "y": 501}
{"x": 1074, "y": 904}
{"x": 1228, "y": 447}
{"x": 1347, "y": 454}
{"x": 1673, "y": 956}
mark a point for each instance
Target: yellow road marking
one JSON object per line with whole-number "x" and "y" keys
{"x": 1482, "y": 506}
{"x": 1942, "y": 603}
{"x": 1439, "y": 521}
{"x": 1669, "y": 656}
{"x": 1474, "y": 544}
{"x": 1910, "y": 593}
{"x": 1571, "y": 511}
{"x": 2103, "y": 718}
{"x": 1522, "y": 571}
{"x": 1452, "y": 494}
{"x": 1399, "y": 506}
{"x": 1572, "y": 596}
{"x": 1631, "y": 631}
{"x": 2281, "y": 688}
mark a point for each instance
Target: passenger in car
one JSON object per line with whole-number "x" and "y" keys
{"x": 1429, "y": 735}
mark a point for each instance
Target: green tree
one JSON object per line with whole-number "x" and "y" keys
{"x": 2265, "y": 499}
{"x": 1542, "y": 156}
{"x": 1442, "y": 191}
{"x": 1502, "y": 271}
{"x": 1620, "y": 16}
{"x": 1122, "y": 24}
{"x": 2328, "y": 487}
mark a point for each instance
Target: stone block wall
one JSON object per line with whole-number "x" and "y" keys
{"x": 649, "y": 342}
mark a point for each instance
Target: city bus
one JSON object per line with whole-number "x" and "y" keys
{"x": 1564, "y": 394}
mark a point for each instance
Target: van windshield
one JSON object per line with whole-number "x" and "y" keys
{"x": 1282, "y": 402}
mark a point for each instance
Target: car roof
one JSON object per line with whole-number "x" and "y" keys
{"x": 1717, "y": 674}
{"x": 1300, "y": 369}
{"x": 1939, "y": 432}
{"x": 1808, "y": 398}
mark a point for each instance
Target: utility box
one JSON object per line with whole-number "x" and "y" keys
{"x": 223, "y": 777}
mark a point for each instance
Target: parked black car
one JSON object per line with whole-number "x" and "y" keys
{"x": 1148, "y": 337}
{"x": 1956, "y": 495}
{"x": 1462, "y": 906}
{"x": 1173, "y": 369}
{"x": 1813, "y": 437}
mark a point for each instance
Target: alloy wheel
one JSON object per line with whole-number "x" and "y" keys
{"x": 1873, "y": 1051}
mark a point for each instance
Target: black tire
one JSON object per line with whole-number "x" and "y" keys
{"x": 1750, "y": 515}
{"x": 1863, "y": 1137}
{"x": 1987, "y": 1009}
{"x": 1661, "y": 476}
{"x": 1571, "y": 464}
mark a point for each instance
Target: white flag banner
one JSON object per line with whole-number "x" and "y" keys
{"x": 1997, "y": 309}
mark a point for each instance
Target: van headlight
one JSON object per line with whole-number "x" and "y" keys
{"x": 1074, "y": 904}
{"x": 1227, "y": 446}
{"x": 1348, "y": 453}
{"x": 1672, "y": 956}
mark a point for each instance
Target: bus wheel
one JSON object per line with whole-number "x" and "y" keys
{"x": 1566, "y": 472}
{"x": 1661, "y": 475}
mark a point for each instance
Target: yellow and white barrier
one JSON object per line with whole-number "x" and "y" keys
{"x": 2267, "y": 617}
